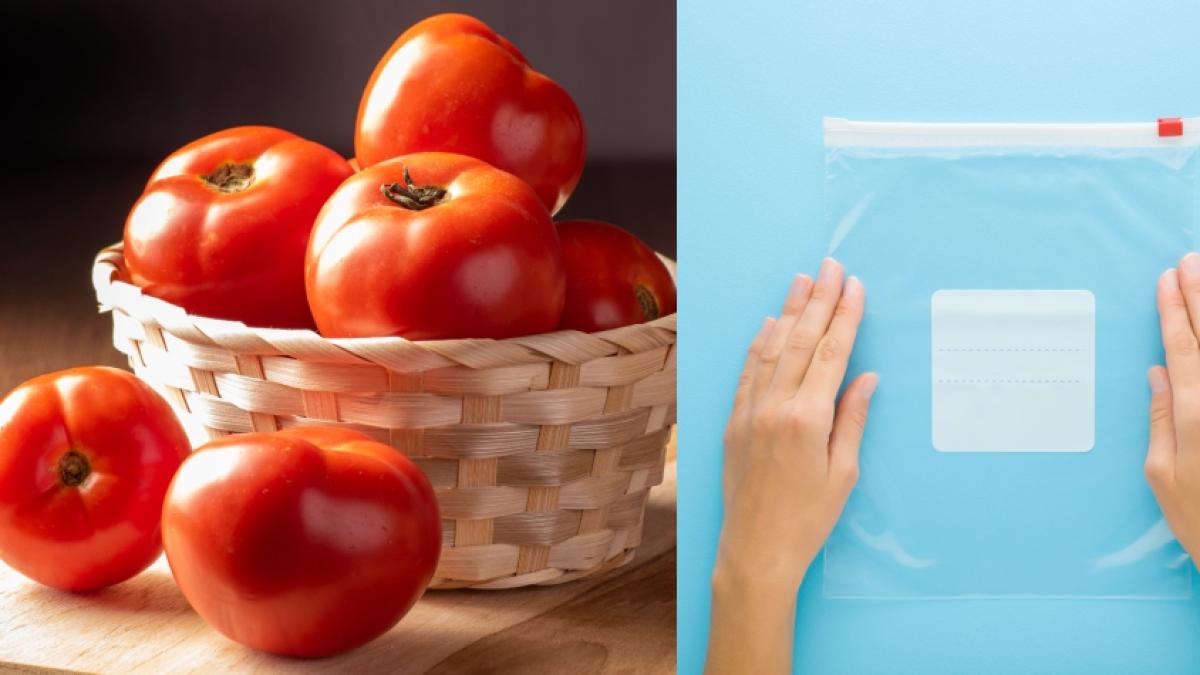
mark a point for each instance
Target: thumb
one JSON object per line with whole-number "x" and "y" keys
{"x": 1160, "y": 458}
{"x": 848, "y": 425}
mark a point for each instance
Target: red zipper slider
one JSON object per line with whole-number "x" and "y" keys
{"x": 1170, "y": 126}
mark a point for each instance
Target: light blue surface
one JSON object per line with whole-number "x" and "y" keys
{"x": 755, "y": 79}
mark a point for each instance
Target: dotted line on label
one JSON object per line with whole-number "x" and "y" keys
{"x": 1006, "y": 381}
{"x": 1010, "y": 349}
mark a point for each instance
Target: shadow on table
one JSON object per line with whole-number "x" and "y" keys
{"x": 151, "y": 591}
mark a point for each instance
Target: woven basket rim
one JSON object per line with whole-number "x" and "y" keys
{"x": 542, "y": 449}
{"x": 112, "y": 292}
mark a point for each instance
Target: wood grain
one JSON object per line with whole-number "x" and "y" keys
{"x": 615, "y": 627}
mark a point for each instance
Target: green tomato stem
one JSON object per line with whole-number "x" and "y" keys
{"x": 413, "y": 197}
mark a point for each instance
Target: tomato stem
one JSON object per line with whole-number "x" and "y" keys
{"x": 413, "y": 197}
{"x": 230, "y": 177}
{"x": 73, "y": 468}
{"x": 649, "y": 304}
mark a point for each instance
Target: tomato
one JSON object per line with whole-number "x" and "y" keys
{"x": 305, "y": 542}
{"x": 431, "y": 246}
{"x": 86, "y": 455}
{"x": 222, "y": 226}
{"x": 613, "y": 279}
{"x": 451, "y": 84}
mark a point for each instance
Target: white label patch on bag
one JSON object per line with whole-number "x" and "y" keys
{"x": 1014, "y": 371}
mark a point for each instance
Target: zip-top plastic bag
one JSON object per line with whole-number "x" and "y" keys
{"x": 1010, "y": 273}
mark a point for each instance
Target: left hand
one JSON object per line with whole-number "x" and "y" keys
{"x": 791, "y": 459}
{"x": 791, "y": 450}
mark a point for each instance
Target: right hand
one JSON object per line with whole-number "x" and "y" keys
{"x": 1173, "y": 460}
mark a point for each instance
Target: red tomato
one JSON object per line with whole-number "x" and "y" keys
{"x": 613, "y": 279}
{"x": 305, "y": 542}
{"x": 223, "y": 224}
{"x": 451, "y": 84}
{"x": 431, "y": 246}
{"x": 85, "y": 458}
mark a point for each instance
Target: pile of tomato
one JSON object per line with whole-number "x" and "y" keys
{"x": 440, "y": 227}
{"x": 313, "y": 541}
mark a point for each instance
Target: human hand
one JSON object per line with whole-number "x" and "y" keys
{"x": 1173, "y": 459}
{"x": 791, "y": 456}
{"x": 791, "y": 459}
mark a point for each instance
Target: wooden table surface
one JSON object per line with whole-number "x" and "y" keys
{"x": 622, "y": 622}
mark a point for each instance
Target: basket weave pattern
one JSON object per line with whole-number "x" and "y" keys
{"x": 542, "y": 449}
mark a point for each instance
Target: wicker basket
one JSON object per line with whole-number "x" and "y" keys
{"x": 542, "y": 449}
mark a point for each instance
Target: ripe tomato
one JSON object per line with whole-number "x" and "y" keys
{"x": 306, "y": 542}
{"x": 613, "y": 279}
{"x": 431, "y": 246}
{"x": 451, "y": 84}
{"x": 85, "y": 458}
{"x": 222, "y": 226}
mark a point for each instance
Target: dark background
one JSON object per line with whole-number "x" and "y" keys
{"x": 97, "y": 93}
{"x": 130, "y": 80}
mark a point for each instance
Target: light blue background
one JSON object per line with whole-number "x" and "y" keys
{"x": 755, "y": 78}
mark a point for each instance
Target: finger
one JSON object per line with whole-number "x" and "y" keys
{"x": 848, "y": 426}
{"x": 752, "y": 354}
{"x": 1160, "y": 458}
{"x": 1189, "y": 284}
{"x": 828, "y": 367}
{"x": 1179, "y": 343}
{"x": 793, "y": 306}
{"x": 801, "y": 342}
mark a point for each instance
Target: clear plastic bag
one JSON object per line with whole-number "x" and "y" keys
{"x": 1010, "y": 273}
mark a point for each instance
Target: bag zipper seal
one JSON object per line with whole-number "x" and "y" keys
{"x": 1166, "y": 132}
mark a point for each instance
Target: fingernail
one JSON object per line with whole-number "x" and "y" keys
{"x": 1191, "y": 264}
{"x": 1169, "y": 279}
{"x": 768, "y": 325}
{"x": 853, "y": 287}
{"x": 829, "y": 268}
{"x": 800, "y": 284}
{"x": 868, "y": 386}
{"x": 1158, "y": 379}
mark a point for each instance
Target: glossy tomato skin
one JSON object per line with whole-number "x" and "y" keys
{"x": 228, "y": 247}
{"x": 306, "y": 542}
{"x": 613, "y": 279}
{"x": 86, "y": 455}
{"x": 451, "y": 84}
{"x": 483, "y": 262}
